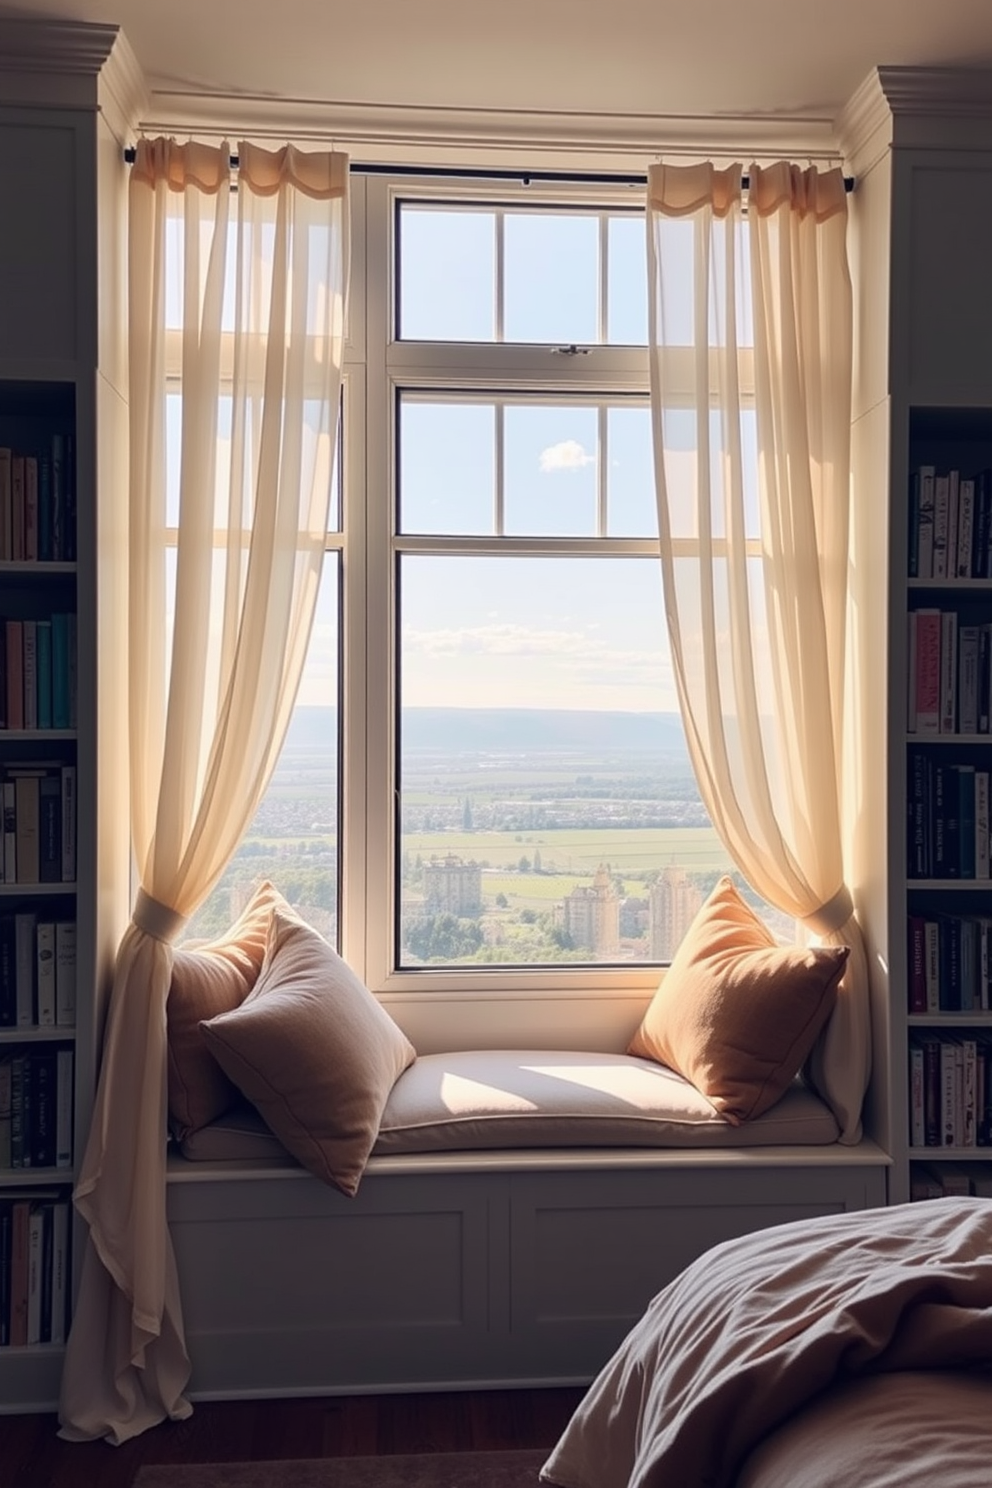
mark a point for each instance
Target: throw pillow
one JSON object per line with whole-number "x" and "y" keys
{"x": 737, "y": 1013}
{"x": 206, "y": 980}
{"x": 314, "y": 1051}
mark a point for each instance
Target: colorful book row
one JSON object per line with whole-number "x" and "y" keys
{"x": 35, "y": 1238}
{"x": 36, "y": 1108}
{"x": 949, "y": 963}
{"x": 39, "y": 822}
{"x": 949, "y": 683}
{"x": 38, "y": 503}
{"x": 950, "y": 1089}
{"x": 38, "y": 680}
{"x": 37, "y": 971}
{"x": 947, "y": 813}
{"x": 950, "y": 524}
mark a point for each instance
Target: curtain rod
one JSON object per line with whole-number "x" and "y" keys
{"x": 525, "y": 177}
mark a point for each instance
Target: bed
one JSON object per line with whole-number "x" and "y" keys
{"x": 846, "y": 1351}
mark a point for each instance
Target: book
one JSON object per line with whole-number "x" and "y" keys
{"x": 36, "y": 1233}
{"x": 31, "y": 508}
{"x": 9, "y": 832}
{"x": 917, "y": 964}
{"x": 911, "y": 672}
{"x": 64, "y": 1070}
{"x": 26, "y": 823}
{"x": 917, "y": 1126}
{"x": 29, "y": 649}
{"x": 60, "y": 670}
{"x": 65, "y": 973}
{"x": 6, "y": 1092}
{"x": 928, "y": 671}
{"x": 8, "y": 972}
{"x": 966, "y": 519}
{"x": 931, "y": 1089}
{"x": 45, "y": 971}
{"x": 948, "y": 671}
{"x": 968, "y": 679}
{"x": 6, "y": 507}
{"x": 17, "y": 506}
{"x": 19, "y": 1071}
{"x": 50, "y": 828}
{"x": 60, "y": 1269}
{"x": 15, "y": 673}
{"x": 25, "y": 921}
{"x": 19, "y": 1249}
{"x": 948, "y": 1094}
{"x": 982, "y": 823}
{"x": 44, "y": 686}
{"x": 45, "y": 507}
{"x": 925, "y": 522}
{"x": 6, "y": 1220}
{"x": 44, "y": 1108}
{"x": 966, "y": 821}
{"x": 931, "y": 946}
{"x": 59, "y": 545}
{"x": 68, "y": 780}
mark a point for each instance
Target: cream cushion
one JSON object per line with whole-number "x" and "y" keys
{"x": 314, "y": 1051}
{"x": 737, "y": 1013}
{"x": 208, "y": 979}
{"x": 525, "y": 1098}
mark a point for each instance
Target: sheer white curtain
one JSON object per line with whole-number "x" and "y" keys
{"x": 245, "y": 296}
{"x": 751, "y": 405}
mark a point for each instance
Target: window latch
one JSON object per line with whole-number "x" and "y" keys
{"x": 572, "y": 350}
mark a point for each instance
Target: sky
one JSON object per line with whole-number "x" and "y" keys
{"x": 532, "y": 631}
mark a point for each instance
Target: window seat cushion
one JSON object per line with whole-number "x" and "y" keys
{"x": 504, "y": 1098}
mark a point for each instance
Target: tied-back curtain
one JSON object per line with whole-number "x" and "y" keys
{"x": 751, "y": 405}
{"x": 243, "y": 295}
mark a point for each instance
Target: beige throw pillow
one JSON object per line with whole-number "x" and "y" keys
{"x": 206, "y": 980}
{"x": 314, "y": 1051}
{"x": 737, "y": 1013}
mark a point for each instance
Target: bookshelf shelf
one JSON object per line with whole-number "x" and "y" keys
{"x": 36, "y": 890}
{"x": 33, "y": 1178}
{"x": 49, "y": 1033}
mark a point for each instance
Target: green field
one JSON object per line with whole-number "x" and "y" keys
{"x": 577, "y": 854}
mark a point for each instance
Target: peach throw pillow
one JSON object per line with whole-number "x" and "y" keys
{"x": 210, "y": 979}
{"x": 736, "y": 1013}
{"x": 314, "y": 1051}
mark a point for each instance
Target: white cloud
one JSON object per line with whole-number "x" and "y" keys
{"x": 569, "y": 455}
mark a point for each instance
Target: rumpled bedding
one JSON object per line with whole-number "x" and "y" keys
{"x": 756, "y": 1328}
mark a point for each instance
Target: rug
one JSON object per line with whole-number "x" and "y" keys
{"x": 510, "y": 1469}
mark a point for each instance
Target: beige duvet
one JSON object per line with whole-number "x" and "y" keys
{"x": 779, "y": 1360}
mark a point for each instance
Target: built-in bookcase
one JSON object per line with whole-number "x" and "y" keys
{"x": 38, "y": 797}
{"x": 948, "y": 766}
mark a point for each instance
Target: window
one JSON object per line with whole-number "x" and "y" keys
{"x": 515, "y": 804}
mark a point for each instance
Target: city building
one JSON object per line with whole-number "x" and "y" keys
{"x": 450, "y": 885}
{"x": 674, "y": 901}
{"x": 590, "y": 914}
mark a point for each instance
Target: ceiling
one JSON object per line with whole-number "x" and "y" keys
{"x": 680, "y": 62}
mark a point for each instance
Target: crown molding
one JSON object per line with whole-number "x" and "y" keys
{"x": 949, "y": 92}
{"x": 864, "y": 126}
{"x": 70, "y": 64}
{"x": 440, "y": 136}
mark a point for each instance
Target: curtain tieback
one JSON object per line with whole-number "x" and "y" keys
{"x": 833, "y": 915}
{"x": 156, "y": 919}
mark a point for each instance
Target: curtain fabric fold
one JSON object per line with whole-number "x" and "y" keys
{"x": 248, "y": 304}
{"x": 751, "y": 405}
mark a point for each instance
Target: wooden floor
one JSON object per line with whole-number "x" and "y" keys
{"x": 32, "y": 1456}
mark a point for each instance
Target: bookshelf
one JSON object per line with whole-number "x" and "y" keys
{"x": 948, "y": 590}
{"x": 38, "y": 777}
{"x": 64, "y": 886}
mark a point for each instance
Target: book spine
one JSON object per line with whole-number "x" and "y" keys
{"x": 29, "y": 633}
{"x": 45, "y": 508}
{"x": 45, "y": 972}
{"x": 50, "y": 829}
{"x": 926, "y": 516}
{"x": 63, "y": 1107}
{"x": 8, "y": 972}
{"x": 65, "y": 973}
{"x": 36, "y": 1226}
{"x": 60, "y": 670}
{"x": 6, "y": 1093}
{"x": 966, "y": 527}
{"x": 941, "y": 515}
{"x": 17, "y": 506}
{"x": 916, "y": 1119}
{"x": 15, "y": 674}
{"x": 928, "y": 671}
{"x": 966, "y": 821}
{"x": 948, "y": 1104}
{"x": 931, "y": 941}
{"x": 44, "y": 648}
{"x": 27, "y": 797}
{"x": 6, "y": 1224}
{"x": 982, "y": 824}
{"x": 60, "y": 1269}
{"x": 19, "y": 1272}
{"x": 948, "y": 671}
{"x": 6, "y": 507}
{"x": 9, "y": 832}
{"x": 968, "y": 679}
{"x": 917, "y": 965}
{"x": 68, "y": 779}
{"x": 31, "y": 508}
{"x": 25, "y": 921}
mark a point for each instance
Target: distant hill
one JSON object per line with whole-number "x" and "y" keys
{"x": 523, "y": 730}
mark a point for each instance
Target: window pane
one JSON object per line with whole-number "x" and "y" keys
{"x": 631, "y": 507}
{"x": 447, "y": 284}
{"x": 548, "y": 811}
{"x": 681, "y": 471}
{"x": 551, "y": 470}
{"x": 627, "y": 281}
{"x": 294, "y": 836}
{"x": 447, "y": 471}
{"x": 552, "y": 278}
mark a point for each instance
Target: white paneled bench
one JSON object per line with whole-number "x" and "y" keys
{"x": 519, "y": 1210}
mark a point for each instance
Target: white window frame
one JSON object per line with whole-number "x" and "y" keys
{"x": 368, "y": 846}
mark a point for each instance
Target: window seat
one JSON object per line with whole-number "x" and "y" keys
{"x": 519, "y": 1210}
